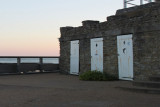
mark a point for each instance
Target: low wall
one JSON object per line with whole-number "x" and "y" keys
{"x": 7, "y": 68}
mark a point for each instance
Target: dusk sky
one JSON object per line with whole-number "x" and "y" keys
{"x": 31, "y": 27}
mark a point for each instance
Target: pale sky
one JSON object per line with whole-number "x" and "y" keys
{"x": 31, "y": 27}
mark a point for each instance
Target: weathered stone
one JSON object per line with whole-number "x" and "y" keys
{"x": 141, "y": 21}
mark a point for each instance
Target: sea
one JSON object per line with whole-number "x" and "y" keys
{"x": 30, "y": 60}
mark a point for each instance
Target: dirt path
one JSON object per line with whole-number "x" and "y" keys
{"x": 56, "y": 90}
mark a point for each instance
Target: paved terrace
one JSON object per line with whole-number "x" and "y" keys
{"x": 56, "y": 90}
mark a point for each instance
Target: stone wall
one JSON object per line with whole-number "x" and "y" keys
{"x": 141, "y": 21}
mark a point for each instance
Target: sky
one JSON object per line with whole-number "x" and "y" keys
{"x": 31, "y": 27}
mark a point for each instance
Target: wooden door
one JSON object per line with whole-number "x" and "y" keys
{"x": 97, "y": 54}
{"x": 125, "y": 57}
{"x": 74, "y": 57}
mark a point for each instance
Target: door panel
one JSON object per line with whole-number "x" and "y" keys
{"x": 125, "y": 57}
{"x": 97, "y": 54}
{"x": 74, "y": 58}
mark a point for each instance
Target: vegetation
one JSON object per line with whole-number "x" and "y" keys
{"x": 97, "y": 76}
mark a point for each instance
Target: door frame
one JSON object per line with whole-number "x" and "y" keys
{"x": 72, "y": 67}
{"x": 101, "y": 67}
{"x": 120, "y": 69}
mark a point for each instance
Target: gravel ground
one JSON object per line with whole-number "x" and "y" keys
{"x": 57, "y": 90}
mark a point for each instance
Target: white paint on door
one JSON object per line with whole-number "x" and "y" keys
{"x": 74, "y": 57}
{"x": 125, "y": 57}
{"x": 97, "y": 54}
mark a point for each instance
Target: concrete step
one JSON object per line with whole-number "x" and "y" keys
{"x": 148, "y": 84}
{"x": 140, "y": 89}
{"x": 155, "y": 78}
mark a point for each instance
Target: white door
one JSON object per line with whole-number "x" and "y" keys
{"x": 97, "y": 54}
{"x": 125, "y": 57}
{"x": 74, "y": 58}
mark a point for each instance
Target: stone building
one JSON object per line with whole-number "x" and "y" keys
{"x": 127, "y": 44}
